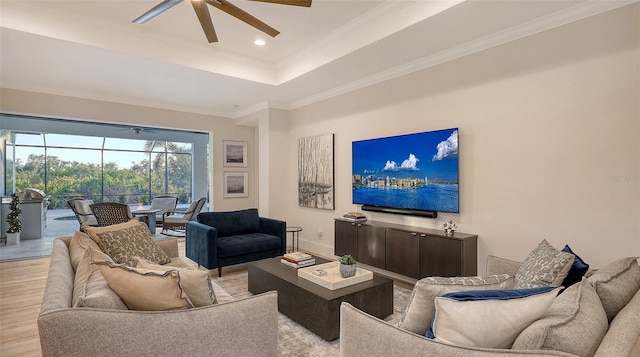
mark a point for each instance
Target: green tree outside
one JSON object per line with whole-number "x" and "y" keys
{"x": 62, "y": 180}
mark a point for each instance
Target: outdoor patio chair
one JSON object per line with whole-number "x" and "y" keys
{"x": 82, "y": 211}
{"x": 110, "y": 213}
{"x": 165, "y": 204}
{"x": 177, "y": 221}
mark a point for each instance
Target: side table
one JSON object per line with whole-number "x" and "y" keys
{"x": 151, "y": 218}
{"x": 295, "y": 237}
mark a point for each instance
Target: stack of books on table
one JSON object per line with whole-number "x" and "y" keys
{"x": 355, "y": 216}
{"x": 298, "y": 259}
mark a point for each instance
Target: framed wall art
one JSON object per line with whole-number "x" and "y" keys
{"x": 315, "y": 172}
{"x": 235, "y": 153}
{"x": 236, "y": 184}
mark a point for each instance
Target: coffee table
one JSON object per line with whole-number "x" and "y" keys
{"x": 313, "y": 306}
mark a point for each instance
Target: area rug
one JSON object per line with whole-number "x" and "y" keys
{"x": 293, "y": 338}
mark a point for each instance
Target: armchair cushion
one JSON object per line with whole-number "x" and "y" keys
{"x": 84, "y": 211}
{"x": 232, "y": 223}
{"x": 249, "y": 243}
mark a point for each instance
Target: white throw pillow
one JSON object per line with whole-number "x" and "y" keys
{"x": 418, "y": 314}
{"x": 488, "y": 318}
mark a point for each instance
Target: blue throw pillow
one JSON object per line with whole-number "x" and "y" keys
{"x": 488, "y": 318}
{"x": 577, "y": 271}
{"x": 475, "y": 295}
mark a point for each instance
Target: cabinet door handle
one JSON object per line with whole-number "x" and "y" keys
{"x": 423, "y": 235}
{"x": 414, "y": 233}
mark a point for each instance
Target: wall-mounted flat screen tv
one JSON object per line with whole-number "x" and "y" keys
{"x": 413, "y": 172}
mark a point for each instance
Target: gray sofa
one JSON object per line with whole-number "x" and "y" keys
{"x": 365, "y": 335}
{"x": 229, "y": 328}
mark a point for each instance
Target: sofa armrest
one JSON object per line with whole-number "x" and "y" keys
{"x": 169, "y": 246}
{"x": 201, "y": 243}
{"x": 246, "y": 327}
{"x": 364, "y": 335}
{"x": 497, "y": 265}
{"x": 58, "y": 290}
{"x": 277, "y": 228}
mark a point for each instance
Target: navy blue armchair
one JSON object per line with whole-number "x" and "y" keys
{"x": 219, "y": 239}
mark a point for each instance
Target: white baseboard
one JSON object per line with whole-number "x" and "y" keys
{"x": 317, "y": 248}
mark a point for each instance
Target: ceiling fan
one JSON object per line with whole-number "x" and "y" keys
{"x": 202, "y": 11}
{"x": 138, "y": 130}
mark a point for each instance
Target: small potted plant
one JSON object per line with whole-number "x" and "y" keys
{"x": 13, "y": 219}
{"x": 347, "y": 266}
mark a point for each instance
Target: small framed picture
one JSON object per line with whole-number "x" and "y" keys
{"x": 236, "y": 184}
{"x": 235, "y": 153}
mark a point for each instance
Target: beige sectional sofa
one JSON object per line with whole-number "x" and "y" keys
{"x": 599, "y": 316}
{"x": 228, "y": 328}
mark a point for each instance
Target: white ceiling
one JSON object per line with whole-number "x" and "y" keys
{"x": 91, "y": 49}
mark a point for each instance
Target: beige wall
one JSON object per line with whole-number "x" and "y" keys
{"x": 39, "y": 104}
{"x": 549, "y": 140}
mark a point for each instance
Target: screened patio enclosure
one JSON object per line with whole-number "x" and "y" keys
{"x": 102, "y": 162}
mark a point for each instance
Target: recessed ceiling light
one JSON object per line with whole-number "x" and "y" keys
{"x": 259, "y": 42}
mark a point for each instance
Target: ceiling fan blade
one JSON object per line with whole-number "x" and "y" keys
{"x": 241, "y": 15}
{"x": 205, "y": 20}
{"x": 305, "y": 3}
{"x": 156, "y": 10}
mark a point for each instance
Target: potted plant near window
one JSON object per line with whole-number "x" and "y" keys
{"x": 13, "y": 219}
{"x": 347, "y": 266}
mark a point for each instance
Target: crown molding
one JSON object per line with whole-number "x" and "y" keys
{"x": 578, "y": 12}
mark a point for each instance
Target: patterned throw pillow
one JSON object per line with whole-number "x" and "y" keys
{"x": 420, "y": 310}
{"x": 196, "y": 283}
{"x": 125, "y": 244}
{"x": 545, "y": 266}
{"x": 94, "y": 231}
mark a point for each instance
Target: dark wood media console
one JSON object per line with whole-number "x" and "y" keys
{"x": 411, "y": 251}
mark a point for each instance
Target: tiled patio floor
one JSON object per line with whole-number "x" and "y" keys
{"x": 55, "y": 227}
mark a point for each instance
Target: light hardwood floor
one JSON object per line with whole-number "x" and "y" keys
{"x": 21, "y": 288}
